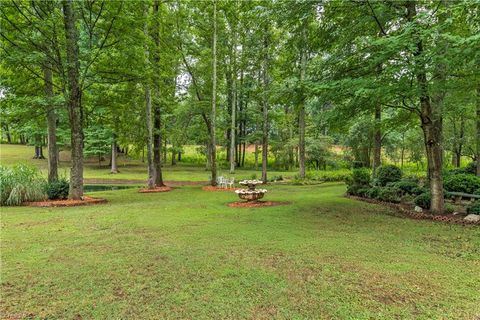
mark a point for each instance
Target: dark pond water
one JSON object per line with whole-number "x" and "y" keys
{"x": 104, "y": 187}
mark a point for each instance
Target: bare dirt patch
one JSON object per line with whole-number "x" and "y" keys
{"x": 156, "y": 189}
{"x": 67, "y": 203}
{"x": 257, "y": 204}
{"x": 215, "y": 189}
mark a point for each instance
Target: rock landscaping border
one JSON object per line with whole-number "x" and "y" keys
{"x": 418, "y": 215}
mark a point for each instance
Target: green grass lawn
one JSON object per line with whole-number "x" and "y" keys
{"x": 129, "y": 168}
{"x": 186, "y": 255}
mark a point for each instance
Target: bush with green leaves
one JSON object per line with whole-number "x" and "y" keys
{"x": 390, "y": 194}
{"x": 57, "y": 190}
{"x": 360, "y": 177}
{"x": 373, "y": 192}
{"x": 423, "y": 200}
{"x": 406, "y": 186}
{"x": 387, "y": 173}
{"x": 471, "y": 168}
{"x": 474, "y": 207}
{"x": 466, "y": 183}
{"x": 21, "y": 183}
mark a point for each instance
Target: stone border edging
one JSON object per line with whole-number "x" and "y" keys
{"x": 416, "y": 215}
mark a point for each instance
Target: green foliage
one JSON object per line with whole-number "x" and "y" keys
{"x": 19, "y": 184}
{"x": 57, "y": 189}
{"x": 423, "y": 200}
{"x": 373, "y": 192}
{"x": 390, "y": 194}
{"x": 466, "y": 183}
{"x": 474, "y": 207}
{"x": 405, "y": 186}
{"x": 360, "y": 177}
{"x": 471, "y": 168}
{"x": 387, "y": 173}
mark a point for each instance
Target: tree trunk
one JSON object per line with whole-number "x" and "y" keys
{"x": 213, "y": 151}
{"x": 157, "y": 117}
{"x": 256, "y": 155}
{"x": 265, "y": 110}
{"x": 7, "y": 133}
{"x": 174, "y": 159}
{"x": 74, "y": 96}
{"x": 377, "y": 147}
{"x": 233, "y": 115}
{"x": 114, "y": 167}
{"x": 431, "y": 119}
{"x": 478, "y": 130}
{"x": 301, "y": 111}
{"x": 148, "y": 110}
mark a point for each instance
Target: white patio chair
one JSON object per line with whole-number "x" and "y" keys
{"x": 231, "y": 182}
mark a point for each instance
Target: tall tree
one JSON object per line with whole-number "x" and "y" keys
{"x": 74, "y": 105}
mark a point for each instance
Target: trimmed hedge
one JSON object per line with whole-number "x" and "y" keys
{"x": 423, "y": 200}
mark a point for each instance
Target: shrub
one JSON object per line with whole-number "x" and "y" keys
{"x": 466, "y": 183}
{"x": 361, "y": 177}
{"x": 477, "y": 192}
{"x": 354, "y": 189}
{"x": 406, "y": 186}
{"x": 19, "y": 184}
{"x": 358, "y": 164}
{"x": 363, "y": 192}
{"x": 390, "y": 194}
{"x": 373, "y": 192}
{"x": 388, "y": 173}
{"x": 57, "y": 189}
{"x": 474, "y": 207}
{"x": 471, "y": 168}
{"x": 423, "y": 200}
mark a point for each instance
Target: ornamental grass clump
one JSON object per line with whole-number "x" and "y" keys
{"x": 19, "y": 184}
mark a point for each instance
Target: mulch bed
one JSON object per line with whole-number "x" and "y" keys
{"x": 257, "y": 204}
{"x": 67, "y": 202}
{"x": 156, "y": 189}
{"x": 406, "y": 212}
{"x": 215, "y": 189}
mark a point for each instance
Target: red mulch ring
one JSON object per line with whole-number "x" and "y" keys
{"x": 156, "y": 189}
{"x": 214, "y": 189}
{"x": 257, "y": 204}
{"x": 67, "y": 202}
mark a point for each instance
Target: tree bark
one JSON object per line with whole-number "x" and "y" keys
{"x": 114, "y": 167}
{"x": 51, "y": 126}
{"x": 301, "y": 111}
{"x": 478, "y": 130}
{"x": 265, "y": 110}
{"x": 213, "y": 151}
{"x": 377, "y": 147}
{"x": 148, "y": 109}
{"x": 256, "y": 155}
{"x": 233, "y": 115}
{"x": 431, "y": 123}
{"x": 74, "y": 95}
{"x": 157, "y": 116}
